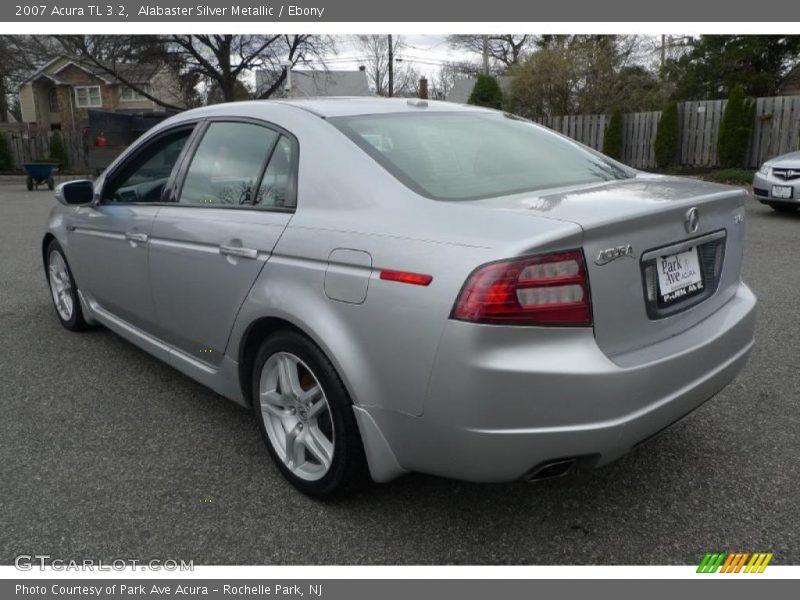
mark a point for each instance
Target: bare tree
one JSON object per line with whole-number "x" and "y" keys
{"x": 447, "y": 75}
{"x": 505, "y": 50}
{"x": 220, "y": 62}
{"x": 21, "y": 55}
{"x": 378, "y": 55}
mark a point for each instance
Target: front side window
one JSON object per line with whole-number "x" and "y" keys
{"x": 471, "y": 155}
{"x": 228, "y": 164}
{"x": 88, "y": 96}
{"x": 143, "y": 177}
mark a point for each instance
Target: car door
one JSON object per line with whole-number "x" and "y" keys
{"x": 108, "y": 241}
{"x": 237, "y": 195}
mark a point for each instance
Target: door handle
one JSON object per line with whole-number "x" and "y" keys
{"x": 135, "y": 237}
{"x": 251, "y": 253}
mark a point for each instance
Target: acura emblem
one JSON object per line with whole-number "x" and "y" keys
{"x": 606, "y": 256}
{"x": 692, "y": 220}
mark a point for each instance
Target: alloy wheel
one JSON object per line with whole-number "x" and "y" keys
{"x": 60, "y": 285}
{"x": 296, "y": 415}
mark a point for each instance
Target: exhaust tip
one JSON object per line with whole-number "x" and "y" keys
{"x": 551, "y": 469}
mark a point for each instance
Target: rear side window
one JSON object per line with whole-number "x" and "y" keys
{"x": 228, "y": 163}
{"x": 468, "y": 156}
{"x": 277, "y": 185}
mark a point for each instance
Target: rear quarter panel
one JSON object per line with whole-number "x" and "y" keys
{"x": 384, "y": 347}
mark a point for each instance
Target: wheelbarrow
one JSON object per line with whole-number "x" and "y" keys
{"x": 39, "y": 174}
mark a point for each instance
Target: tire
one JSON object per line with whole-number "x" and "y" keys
{"x": 63, "y": 290}
{"x": 296, "y": 414}
{"x": 784, "y": 208}
{"x": 29, "y": 183}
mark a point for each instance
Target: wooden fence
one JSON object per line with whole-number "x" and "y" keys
{"x": 587, "y": 129}
{"x": 776, "y": 131}
{"x": 29, "y": 144}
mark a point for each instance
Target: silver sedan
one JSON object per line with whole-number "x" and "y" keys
{"x": 777, "y": 182}
{"x": 398, "y": 286}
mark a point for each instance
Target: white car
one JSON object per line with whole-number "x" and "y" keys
{"x": 777, "y": 182}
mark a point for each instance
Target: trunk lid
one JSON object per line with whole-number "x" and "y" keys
{"x": 641, "y": 220}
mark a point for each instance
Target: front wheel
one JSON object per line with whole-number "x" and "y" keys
{"x": 63, "y": 289}
{"x": 306, "y": 417}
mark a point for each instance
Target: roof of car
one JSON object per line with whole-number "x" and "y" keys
{"x": 340, "y": 106}
{"x": 332, "y": 106}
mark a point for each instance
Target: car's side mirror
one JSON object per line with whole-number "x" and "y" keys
{"x": 77, "y": 192}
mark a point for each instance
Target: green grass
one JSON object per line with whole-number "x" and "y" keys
{"x": 732, "y": 176}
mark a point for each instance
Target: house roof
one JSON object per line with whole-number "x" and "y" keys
{"x": 313, "y": 83}
{"x": 136, "y": 73}
{"x": 462, "y": 89}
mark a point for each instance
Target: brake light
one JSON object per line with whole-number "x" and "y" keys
{"x": 552, "y": 289}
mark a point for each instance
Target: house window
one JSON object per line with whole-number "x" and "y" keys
{"x": 88, "y": 96}
{"x": 52, "y": 100}
{"x": 130, "y": 95}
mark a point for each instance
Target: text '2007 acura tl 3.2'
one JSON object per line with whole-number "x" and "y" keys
{"x": 400, "y": 285}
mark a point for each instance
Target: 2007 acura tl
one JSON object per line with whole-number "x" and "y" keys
{"x": 403, "y": 285}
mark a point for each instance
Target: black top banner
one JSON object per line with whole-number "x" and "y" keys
{"x": 444, "y": 11}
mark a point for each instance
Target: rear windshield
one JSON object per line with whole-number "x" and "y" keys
{"x": 469, "y": 156}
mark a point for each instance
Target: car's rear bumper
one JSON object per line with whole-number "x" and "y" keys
{"x": 503, "y": 401}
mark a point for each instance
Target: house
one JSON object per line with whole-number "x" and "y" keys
{"x": 462, "y": 89}
{"x": 310, "y": 83}
{"x": 60, "y": 93}
{"x": 790, "y": 86}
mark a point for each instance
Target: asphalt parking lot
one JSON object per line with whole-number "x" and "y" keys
{"x": 107, "y": 453}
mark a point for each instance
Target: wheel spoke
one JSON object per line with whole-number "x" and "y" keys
{"x": 287, "y": 376}
{"x": 312, "y": 395}
{"x": 316, "y": 409}
{"x": 273, "y": 402}
{"x": 319, "y": 446}
{"x": 295, "y": 449}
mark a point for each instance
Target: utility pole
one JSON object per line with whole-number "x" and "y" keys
{"x": 485, "y": 39}
{"x": 391, "y": 67}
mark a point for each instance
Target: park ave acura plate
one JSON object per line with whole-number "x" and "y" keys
{"x": 679, "y": 276}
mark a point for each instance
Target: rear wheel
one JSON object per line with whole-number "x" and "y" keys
{"x": 787, "y": 208}
{"x": 306, "y": 417}
{"x": 63, "y": 289}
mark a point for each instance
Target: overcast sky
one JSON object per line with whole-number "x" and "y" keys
{"x": 427, "y": 52}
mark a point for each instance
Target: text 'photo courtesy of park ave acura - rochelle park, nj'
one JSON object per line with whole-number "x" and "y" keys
{"x": 398, "y": 299}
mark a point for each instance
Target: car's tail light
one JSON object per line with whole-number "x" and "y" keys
{"x": 550, "y": 289}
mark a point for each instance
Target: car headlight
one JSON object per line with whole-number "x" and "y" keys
{"x": 764, "y": 169}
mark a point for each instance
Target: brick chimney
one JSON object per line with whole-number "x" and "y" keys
{"x": 423, "y": 88}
